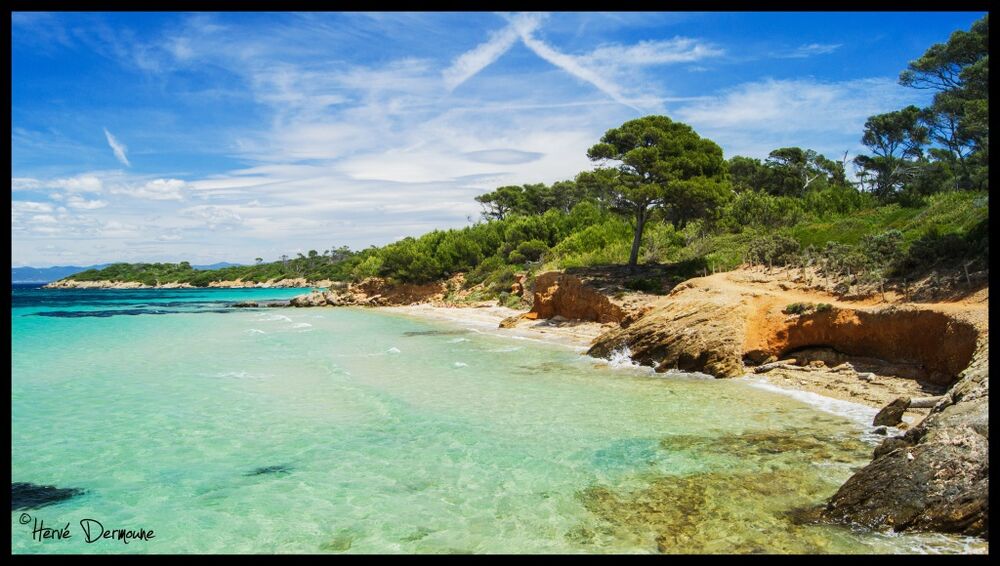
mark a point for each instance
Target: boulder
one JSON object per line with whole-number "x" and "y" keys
{"x": 935, "y": 476}
{"x": 892, "y": 414}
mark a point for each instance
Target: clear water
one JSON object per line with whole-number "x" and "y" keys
{"x": 359, "y": 431}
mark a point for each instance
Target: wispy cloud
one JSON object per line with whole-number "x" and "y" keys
{"x": 597, "y": 67}
{"x": 118, "y": 148}
{"x": 808, "y": 50}
{"x": 755, "y": 117}
{"x": 658, "y": 52}
{"x": 480, "y": 57}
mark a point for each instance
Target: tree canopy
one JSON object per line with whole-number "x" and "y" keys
{"x": 661, "y": 164}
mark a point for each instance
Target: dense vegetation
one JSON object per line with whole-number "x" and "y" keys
{"x": 665, "y": 195}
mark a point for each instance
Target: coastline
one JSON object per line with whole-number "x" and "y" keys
{"x": 486, "y": 317}
{"x": 842, "y": 401}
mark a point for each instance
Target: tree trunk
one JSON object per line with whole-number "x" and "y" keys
{"x": 640, "y": 222}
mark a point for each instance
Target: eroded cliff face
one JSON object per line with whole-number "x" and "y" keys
{"x": 560, "y": 294}
{"x": 713, "y": 324}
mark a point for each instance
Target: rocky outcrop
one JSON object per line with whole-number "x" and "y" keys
{"x": 936, "y": 475}
{"x": 712, "y": 324}
{"x": 373, "y": 291}
{"x": 703, "y": 335}
{"x": 231, "y": 284}
{"x": 933, "y": 477}
{"x": 320, "y": 298}
{"x": 72, "y": 284}
{"x": 561, "y": 294}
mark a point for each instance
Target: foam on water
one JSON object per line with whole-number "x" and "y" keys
{"x": 860, "y": 414}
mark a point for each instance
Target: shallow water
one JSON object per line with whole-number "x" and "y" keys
{"x": 350, "y": 430}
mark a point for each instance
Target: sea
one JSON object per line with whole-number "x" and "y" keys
{"x": 168, "y": 421}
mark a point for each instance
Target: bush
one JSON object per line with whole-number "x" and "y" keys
{"x": 532, "y": 250}
{"x": 775, "y": 249}
{"x": 798, "y": 308}
{"x": 760, "y": 209}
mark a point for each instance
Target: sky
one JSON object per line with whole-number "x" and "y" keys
{"x": 209, "y": 137}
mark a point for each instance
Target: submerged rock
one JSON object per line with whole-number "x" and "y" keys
{"x": 32, "y": 496}
{"x": 280, "y": 469}
{"x": 246, "y": 304}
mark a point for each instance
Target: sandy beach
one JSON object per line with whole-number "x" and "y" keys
{"x": 486, "y": 318}
{"x": 840, "y": 398}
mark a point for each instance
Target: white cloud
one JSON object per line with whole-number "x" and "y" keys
{"x": 595, "y": 68}
{"x": 478, "y": 58}
{"x": 118, "y": 148}
{"x": 808, "y": 50}
{"x": 86, "y": 183}
{"x": 754, "y": 118}
{"x": 79, "y": 203}
{"x": 652, "y": 52}
{"x": 24, "y": 184}
{"x": 18, "y": 206}
{"x": 213, "y": 216}
{"x": 159, "y": 189}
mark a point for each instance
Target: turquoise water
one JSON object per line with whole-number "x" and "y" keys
{"x": 351, "y": 430}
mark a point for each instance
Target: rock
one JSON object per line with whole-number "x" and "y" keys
{"x": 280, "y": 469}
{"x": 935, "y": 476}
{"x": 817, "y": 364}
{"x": 566, "y": 295}
{"x": 892, "y": 414}
{"x": 882, "y": 431}
{"x": 25, "y": 495}
{"x": 312, "y": 299}
{"x": 246, "y": 304}
{"x": 511, "y": 321}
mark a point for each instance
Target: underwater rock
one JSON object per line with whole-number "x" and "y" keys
{"x": 280, "y": 469}
{"x": 32, "y": 496}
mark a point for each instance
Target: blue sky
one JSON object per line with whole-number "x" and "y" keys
{"x": 210, "y": 137}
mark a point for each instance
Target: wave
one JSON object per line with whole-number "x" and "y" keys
{"x": 861, "y": 414}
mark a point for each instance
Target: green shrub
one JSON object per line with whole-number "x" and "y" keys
{"x": 773, "y": 249}
{"x": 798, "y": 308}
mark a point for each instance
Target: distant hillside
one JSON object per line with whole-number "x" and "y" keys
{"x": 219, "y": 265}
{"x": 47, "y": 274}
{"x": 50, "y": 274}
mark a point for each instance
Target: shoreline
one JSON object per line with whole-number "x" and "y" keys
{"x": 580, "y": 336}
{"x": 487, "y": 317}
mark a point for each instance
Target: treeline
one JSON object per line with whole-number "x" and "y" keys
{"x": 661, "y": 193}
